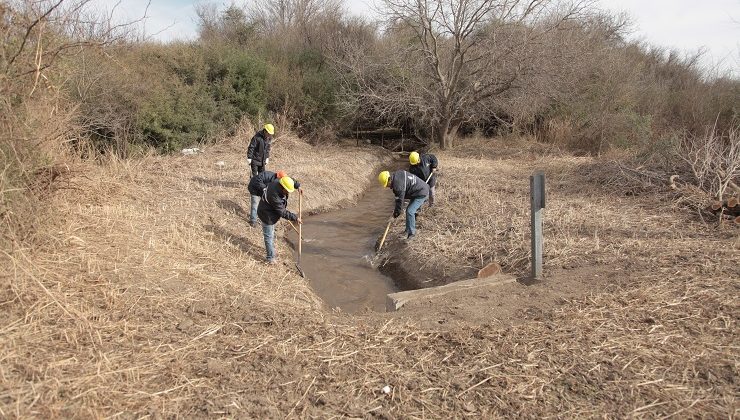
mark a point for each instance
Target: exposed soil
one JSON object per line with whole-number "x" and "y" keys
{"x": 511, "y": 304}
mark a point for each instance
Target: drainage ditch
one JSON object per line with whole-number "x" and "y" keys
{"x": 339, "y": 253}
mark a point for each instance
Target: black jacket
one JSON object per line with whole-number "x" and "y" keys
{"x": 260, "y": 181}
{"x": 259, "y": 148}
{"x": 424, "y": 168}
{"x": 406, "y": 185}
{"x": 274, "y": 204}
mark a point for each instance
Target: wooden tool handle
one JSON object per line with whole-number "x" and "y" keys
{"x": 300, "y": 225}
{"x": 387, "y": 228}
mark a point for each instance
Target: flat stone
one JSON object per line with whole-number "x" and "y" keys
{"x": 489, "y": 270}
{"x": 395, "y": 301}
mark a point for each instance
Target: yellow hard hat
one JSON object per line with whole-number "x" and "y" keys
{"x": 288, "y": 183}
{"x": 414, "y": 158}
{"x": 270, "y": 129}
{"x": 383, "y": 178}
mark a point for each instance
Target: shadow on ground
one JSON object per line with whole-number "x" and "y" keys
{"x": 233, "y": 207}
{"x": 244, "y": 244}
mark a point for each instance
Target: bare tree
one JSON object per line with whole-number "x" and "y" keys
{"x": 443, "y": 57}
{"x": 226, "y": 26}
{"x": 296, "y": 20}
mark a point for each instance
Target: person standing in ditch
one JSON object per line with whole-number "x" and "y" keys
{"x": 272, "y": 207}
{"x": 424, "y": 166}
{"x": 258, "y": 153}
{"x": 406, "y": 186}
{"x": 256, "y": 187}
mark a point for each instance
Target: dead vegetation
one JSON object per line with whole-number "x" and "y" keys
{"x": 146, "y": 297}
{"x": 600, "y": 211}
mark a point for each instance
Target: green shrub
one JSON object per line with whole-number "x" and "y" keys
{"x": 172, "y": 96}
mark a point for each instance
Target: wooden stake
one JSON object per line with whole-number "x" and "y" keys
{"x": 300, "y": 232}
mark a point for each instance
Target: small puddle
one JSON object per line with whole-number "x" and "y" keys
{"x": 338, "y": 247}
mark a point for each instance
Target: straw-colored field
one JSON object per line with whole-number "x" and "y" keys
{"x": 145, "y": 296}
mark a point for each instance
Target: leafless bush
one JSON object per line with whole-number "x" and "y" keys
{"x": 37, "y": 121}
{"x": 294, "y": 20}
{"x": 714, "y": 159}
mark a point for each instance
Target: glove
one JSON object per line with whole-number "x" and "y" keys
{"x": 396, "y": 213}
{"x": 249, "y": 161}
{"x": 297, "y": 184}
{"x": 267, "y": 161}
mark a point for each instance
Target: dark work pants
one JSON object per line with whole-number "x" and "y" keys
{"x": 257, "y": 169}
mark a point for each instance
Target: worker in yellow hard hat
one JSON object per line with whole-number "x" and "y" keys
{"x": 424, "y": 166}
{"x": 273, "y": 206}
{"x": 258, "y": 153}
{"x": 256, "y": 187}
{"x": 406, "y": 186}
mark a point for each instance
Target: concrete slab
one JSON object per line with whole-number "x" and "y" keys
{"x": 395, "y": 301}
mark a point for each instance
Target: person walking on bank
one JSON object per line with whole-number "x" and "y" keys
{"x": 258, "y": 153}
{"x": 256, "y": 187}
{"x": 406, "y": 185}
{"x": 272, "y": 207}
{"x": 424, "y": 166}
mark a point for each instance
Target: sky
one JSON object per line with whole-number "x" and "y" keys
{"x": 685, "y": 25}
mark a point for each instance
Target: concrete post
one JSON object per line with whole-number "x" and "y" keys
{"x": 537, "y": 203}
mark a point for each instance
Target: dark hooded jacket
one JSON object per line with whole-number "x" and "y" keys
{"x": 260, "y": 181}
{"x": 259, "y": 148}
{"x": 423, "y": 169}
{"x": 274, "y": 204}
{"x": 406, "y": 185}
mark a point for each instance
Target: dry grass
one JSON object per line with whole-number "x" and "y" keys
{"x": 147, "y": 298}
{"x": 483, "y": 212}
{"x": 138, "y": 247}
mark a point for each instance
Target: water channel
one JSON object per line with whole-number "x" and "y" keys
{"x": 338, "y": 247}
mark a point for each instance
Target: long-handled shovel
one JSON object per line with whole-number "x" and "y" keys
{"x": 300, "y": 234}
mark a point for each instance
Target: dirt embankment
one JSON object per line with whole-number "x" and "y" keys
{"x": 148, "y": 298}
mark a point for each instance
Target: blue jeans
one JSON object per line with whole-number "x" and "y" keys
{"x": 255, "y": 201}
{"x": 411, "y": 210}
{"x": 268, "y": 231}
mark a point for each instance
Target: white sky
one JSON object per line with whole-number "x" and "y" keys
{"x": 685, "y": 25}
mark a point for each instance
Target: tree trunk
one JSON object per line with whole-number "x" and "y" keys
{"x": 446, "y": 132}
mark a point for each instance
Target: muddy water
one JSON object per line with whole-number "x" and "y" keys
{"x": 337, "y": 250}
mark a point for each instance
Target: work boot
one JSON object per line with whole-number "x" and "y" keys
{"x": 271, "y": 262}
{"x": 252, "y": 224}
{"x": 410, "y": 237}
